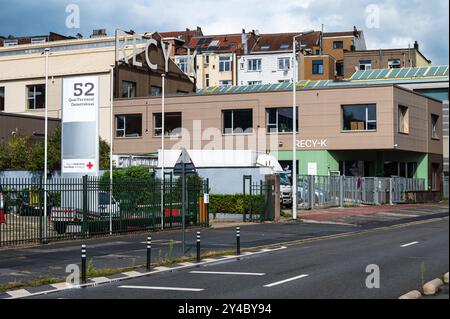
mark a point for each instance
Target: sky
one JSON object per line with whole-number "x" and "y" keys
{"x": 386, "y": 23}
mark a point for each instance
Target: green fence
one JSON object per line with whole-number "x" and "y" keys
{"x": 85, "y": 207}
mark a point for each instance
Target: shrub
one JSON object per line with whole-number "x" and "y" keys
{"x": 234, "y": 204}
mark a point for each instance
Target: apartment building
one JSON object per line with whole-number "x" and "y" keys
{"x": 11, "y": 40}
{"x": 270, "y": 59}
{"x": 356, "y": 129}
{"x": 25, "y": 125}
{"x": 383, "y": 59}
{"x": 22, "y": 76}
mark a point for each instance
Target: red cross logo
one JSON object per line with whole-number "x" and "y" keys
{"x": 90, "y": 165}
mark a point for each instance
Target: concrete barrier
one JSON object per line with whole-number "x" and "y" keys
{"x": 446, "y": 278}
{"x": 432, "y": 287}
{"x": 415, "y": 294}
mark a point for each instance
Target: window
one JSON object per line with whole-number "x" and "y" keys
{"x": 339, "y": 68}
{"x": 400, "y": 169}
{"x": 394, "y": 64}
{"x": 207, "y": 59}
{"x": 284, "y": 46}
{"x": 128, "y": 89}
{"x": 129, "y": 125}
{"x": 2, "y": 99}
{"x": 365, "y": 65}
{"x": 172, "y": 124}
{"x": 338, "y": 44}
{"x": 155, "y": 90}
{"x": 10, "y": 43}
{"x": 403, "y": 119}
{"x": 237, "y": 121}
{"x": 207, "y": 80}
{"x": 36, "y": 96}
{"x": 254, "y": 83}
{"x": 434, "y": 126}
{"x": 279, "y": 120}
{"x": 224, "y": 64}
{"x": 38, "y": 40}
{"x": 225, "y": 83}
{"x": 265, "y": 47}
{"x": 183, "y": 64}
{"x": 254, "y": 65}
{"x": 284, "y": 64}
{"x": 317, "y": 66}
{"x": 359, "y": 117}
{"x": 355, "y": 168}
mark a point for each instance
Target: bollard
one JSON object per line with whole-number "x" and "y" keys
{"x": 238, "y": 241}
{"x": 149, "y": 253}
{"x": 83, "y": 265}
{"x": 198, "y": 247}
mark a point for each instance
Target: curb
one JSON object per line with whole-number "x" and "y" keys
{"x": 94, "y": 282}
{"x": 446, "y": 279}
{"x": 415, "y": 294}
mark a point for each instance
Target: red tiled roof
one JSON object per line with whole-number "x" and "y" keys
{"x": 283, "y": 41}
{"x": 214, "y": 43}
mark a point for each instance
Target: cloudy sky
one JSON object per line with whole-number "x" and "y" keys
{"x": 387, "y": 23}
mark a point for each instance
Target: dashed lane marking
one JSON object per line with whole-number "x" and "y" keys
{"x": 285, "y": 281}
{"x": 409, "y": 244}
{"x": 227, "y": 273}
{"x": 162, "y": 288}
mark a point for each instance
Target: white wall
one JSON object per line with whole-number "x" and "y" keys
{"x": 269, "y": 69}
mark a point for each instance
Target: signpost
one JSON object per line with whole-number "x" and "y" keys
{"x": 184, "y": 167}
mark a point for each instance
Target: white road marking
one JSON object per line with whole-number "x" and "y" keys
{"x": 227, "y": 273}
{"x": 162, "y": 288}
{"x": 132, "y": 274}
{"x": 19, "y": 293}
{"x": 285, "y": 281}
{"x": 410, "y": 244}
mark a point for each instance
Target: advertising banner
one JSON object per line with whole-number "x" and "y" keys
{"x": 80, "y": 127}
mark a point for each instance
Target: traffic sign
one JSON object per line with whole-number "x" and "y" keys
{"x": 186, "y": 162}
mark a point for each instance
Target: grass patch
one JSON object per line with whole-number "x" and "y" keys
{"x": 37, "y": 282}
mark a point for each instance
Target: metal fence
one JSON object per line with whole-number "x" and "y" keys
{"x": 258, "y": 200}
{"x": 335, "y": 191}
{"x": 85, "y": 207}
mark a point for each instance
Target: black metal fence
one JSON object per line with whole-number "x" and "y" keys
{"x": 85, "y": 207}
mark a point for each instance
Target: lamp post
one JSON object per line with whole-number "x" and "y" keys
{"x": 163, "y": 111}
{"x": 294, "y": 127}
{"x": 46, "y": 52}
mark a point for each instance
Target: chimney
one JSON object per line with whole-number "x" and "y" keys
{"x": 416, "y": 45}
{"x": 244, "y": 42}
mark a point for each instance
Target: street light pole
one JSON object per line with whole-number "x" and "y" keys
{"x": 294, "y": 130}
{"x": 163, "y": 111}
{"x": 111, "y": 104}
{"x": 46, "y": 52}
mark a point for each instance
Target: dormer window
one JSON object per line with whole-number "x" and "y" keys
{"x": 10, "y": 43}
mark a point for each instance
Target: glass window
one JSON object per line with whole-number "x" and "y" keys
{"x": 128, "y": 89}
{"x": 183, "y": 64}
{"x": 403, "y": 119}
{"x": 254, "y": 64}
{"x": 317, "y": 66}
{"x": 225, "y": 83}
{"x": 36, "y": 97}
{"x": 394, "y": 64}
{"x": 237, "y": 121}
{"x": 129, "y": 125}
{"x": 365, "y": 65}
{"x": 359, "y": 117}
{"x": 355, "y": 168}
{"x": 254, "y": 83}
{"x": 38, "y": 40}
{"x": 207, "y": 80}
{"x": 434, "y": 126}
{"x": 279, "y": 120}
{"x": 284, "y": 64}
{"x": 10, "y": 43}
{"x": 172, "y": 124}
{"x": 155, "y": 90}
{"x": 2, "y": 99}
{"x": 340, "y": 68}
{"x": 338, "y": 44}
{"x": 224, "y": 64}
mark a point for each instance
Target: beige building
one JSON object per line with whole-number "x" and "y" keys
{"x": 378, "y": 130}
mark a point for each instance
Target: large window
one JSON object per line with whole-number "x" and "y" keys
{"x": 237, "y": 121}
{"x": 317, "y": 67}
{"x": 280, "y": 120}
{"x": 182, "y": 63}
{"x": 155, "y": 90}
{"x": 172, "y": 124}
{"x": 403, "y": 119}
{"x": 361, "y": 117}
{"x": 224, "y": 64}
{"x": 365, "y": 65}
{"x": 355, "y": 168}
{"x": 128, "y": 89}
{"x": 434, "y": 126}
{"x": 394, "y": 64}
{"x": 36, "y": 97}
{"x": 254, "y": 65}
{"x": 2, "y": 99}
{"x": 129, "y": 125}
{"x": 400, "y": 169}
{"x": 284, "y": 64}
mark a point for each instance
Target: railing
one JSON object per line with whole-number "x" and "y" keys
{"x": 334, "y": 191}
{"x": 79, "y": 208}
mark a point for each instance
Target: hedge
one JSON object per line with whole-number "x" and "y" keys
{"x": 233, "y": 204}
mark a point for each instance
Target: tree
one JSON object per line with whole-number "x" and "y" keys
{"x": 15, "y": 153}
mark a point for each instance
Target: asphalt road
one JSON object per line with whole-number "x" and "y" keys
{"x": 333, "y": 269}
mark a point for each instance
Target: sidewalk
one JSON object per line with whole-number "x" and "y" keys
{"x": 371, "y": 214}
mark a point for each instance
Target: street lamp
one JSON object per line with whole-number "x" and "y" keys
{"x": 46, "y": 53}
{"x": 294, "y": 119}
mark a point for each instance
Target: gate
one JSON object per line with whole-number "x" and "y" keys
{"x": 325, "y": 191}
{"x": 258, "y": 200}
